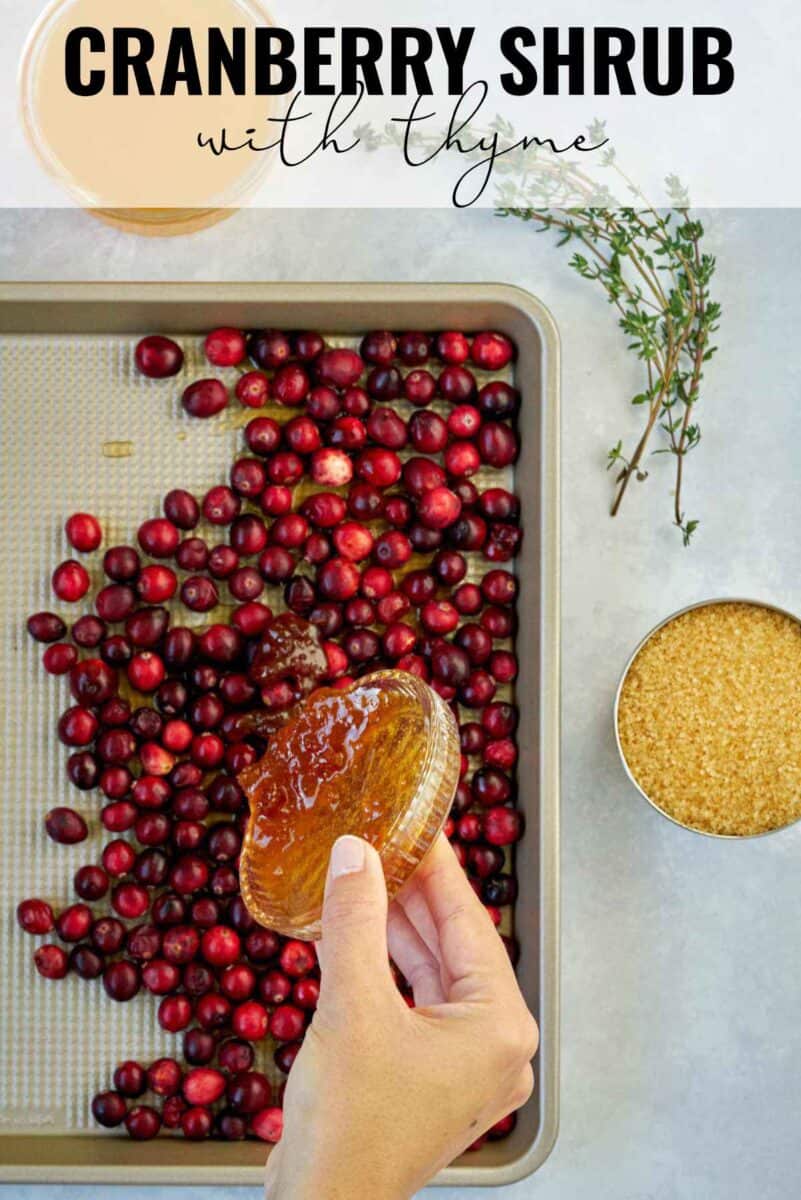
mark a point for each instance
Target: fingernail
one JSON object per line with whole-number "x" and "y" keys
{"x": 347, "y": 856}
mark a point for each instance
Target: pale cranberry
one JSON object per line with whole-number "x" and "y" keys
{"x": 158, "y": 357}
{"x": 70, "y": 581}
{"x": 419, "y": 388}
{"x": 438, "y": 507}
{"x": 35, "y": 916}
{"x": 331, "y": 467}
{"x": 491, "y": 351}
{"x": 498, "y": 400}
{"x": 59, "y": 658}
{"x": 290, "y": 385}
{"x": 380, "y": 467}
{"x": 452, "y": 347}
{"x": 462, "y": 459}
{"x": 225, "y": 347}
{"x": 205, "y": 398}
{"x": 83, "y": 532}
{"x": 497, "y": 444}
{"x": 393, "y": 549}
{"x": 339, "y": 368}
{"x": 270, "y": 348}
{"x": 199, "y": 593}
{"x": 428, "y": 432}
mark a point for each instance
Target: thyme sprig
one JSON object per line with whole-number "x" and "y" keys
{"x": 650, "y": 262}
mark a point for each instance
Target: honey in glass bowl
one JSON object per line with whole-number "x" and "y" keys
{"x": 378, "y": 759}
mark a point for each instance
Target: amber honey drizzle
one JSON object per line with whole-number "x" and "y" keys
{"x": 348, "y": 761}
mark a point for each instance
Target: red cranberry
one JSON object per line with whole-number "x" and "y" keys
{"x": 235, "y": 1055}
{"x": 297, "y": 958}
{"x": 158, "y": 357}
{"x": 500, "y": 890}
{"x": 174, "y": 1013}
{"x": 238, "y": 981}
{"x": 252, "y": 389}
{"x": 464, "y": 421}
{"x": 121, "y": 563}
{"x": 501, "y": 752}
{"x": 483, "y": 861}
{"x": 121, "y": 980}
{"x": 250, "y": 1021}
{"x": 231, "y": 1127}
{"x": 423, "y": 539}
{"x": 498, "y": 622}
{"x": 414, "y": 348}
{"x": 70, "y": 581}
{"x": 497, "y": 445}
{"x": 419, "y": 388}
{"x": 324, "y": 509}
{"x": 339, "y": 368}
{"x": 248, "y": 1091}
{"x": 196, "y": 1123}
{"x": 92, "y": 682}
{"x": 286, "y": 468}
{"x": 77, "y": 726}
{"x": 356, "y": 402}
{"x": 119, "y": 817}
{"x": 118, "y": 857}
{"x": 392, "y": 606}
{"x": 221, "y": 505}
{"x": 380, "y": 467}
{"x": 130, "y": 901}
{"x": 59, "y": 658}
{"x": 65, "y": 826}
{"x": 428, "y": 432}
{"x": 379, "y": 347}
{"x": 469, "y": 532}
{"x": 290, "y": 385}
{"x": 158, "y": 537}
{"x": 192, "y": 554}
{"x": 439, "y": 617}
{"x": 376, "y": 582}
{"x": 452, "y": 347}
{"x": 306, "y": 993}
{"x": 223, "y": 561}
{"x": 491, "y": 351}
{"x": 479, "y": 690}
{"x": 85, "y": 962}
{"x": 83, "y": 532}
{"x": 190, "y": 874}
{"x": 145, "y": 671}
{"x": 322, "y": 404}
{"x": 251, "y": 619}
{"x": 498, "y": 400}
{"x": 338, "y": 579}
{"x": 83, "y": 770}
{"x": 205, "y": 398}
{"x": 46, "y": 627}
{"x": 450, "y": 664}
{"x": 181, "y": 508}
{"x": 476, "y": 641}
{"x": 225, "y": 347}
{"x": 307, "y": 345}
{"x": 51, "y": 962}
{"x": 393, "y": 549}
{"x": 130, "y": 1079}
{"x": 450, "y": 567}
{"x": 146, "y": 723}
{"x": 497, "y": 504}
{"x": 502, "y": 826}
{"x": 164, "y": 1077}
{"x": 274, "y": 987}
{"x": 168, "y": 910}
{"x": 502, "y": 1129}
{"x": 35, "y": 916}
{"x": 466, "y": 491}
{"x": 160, "y": 977}
{"x": 199, "y": 594}
{"x": 115, "y": 711}
{"x": 348, "y": 433}
{"x": 469, "y": 827}
{"x": 268, "y": 1125}
{"x": 384, "y": 383}
{"x": 142, "y": 1123}
{"x": 457, "y": 385}
{"x": 503, "y": 666}
{"x": 438, "y": 508}
{"x": 499, "y": 587}
{"x": 290, "y": 531}
{"x": 109, "y": 1109}
{"x": 419, "y": 586}
{"x": 365, "y": 501}
{"x": 203, "y": 1085}
{"x": 172, "y": 1111}
{"x": 287, "y": 1023}
{"x": 198, "y": 1047}
{"x": 152, "y": 828}
{"x": 263, "y": 435}
{"x": 462, "y": 459}
{"x": 491, "y": 787}
{"x": 504, "y": 542}
{"x": 220, "y": 946}
{"x": 270, "y": 348}
{"x": 88, "y": 631}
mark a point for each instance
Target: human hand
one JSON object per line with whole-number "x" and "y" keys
{"x": 382, "y": 1096}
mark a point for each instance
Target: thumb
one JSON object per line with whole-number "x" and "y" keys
{"x": 353, "y": 950}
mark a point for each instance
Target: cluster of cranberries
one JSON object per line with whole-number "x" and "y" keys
{"x": 356, "y": 512}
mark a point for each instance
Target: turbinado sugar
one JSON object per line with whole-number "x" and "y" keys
{"x": 710, "y": 719}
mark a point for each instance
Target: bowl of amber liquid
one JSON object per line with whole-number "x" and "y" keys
{"x": 379, "y": 759}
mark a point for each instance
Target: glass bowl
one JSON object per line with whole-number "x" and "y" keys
{"x": 379, "y": 759}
